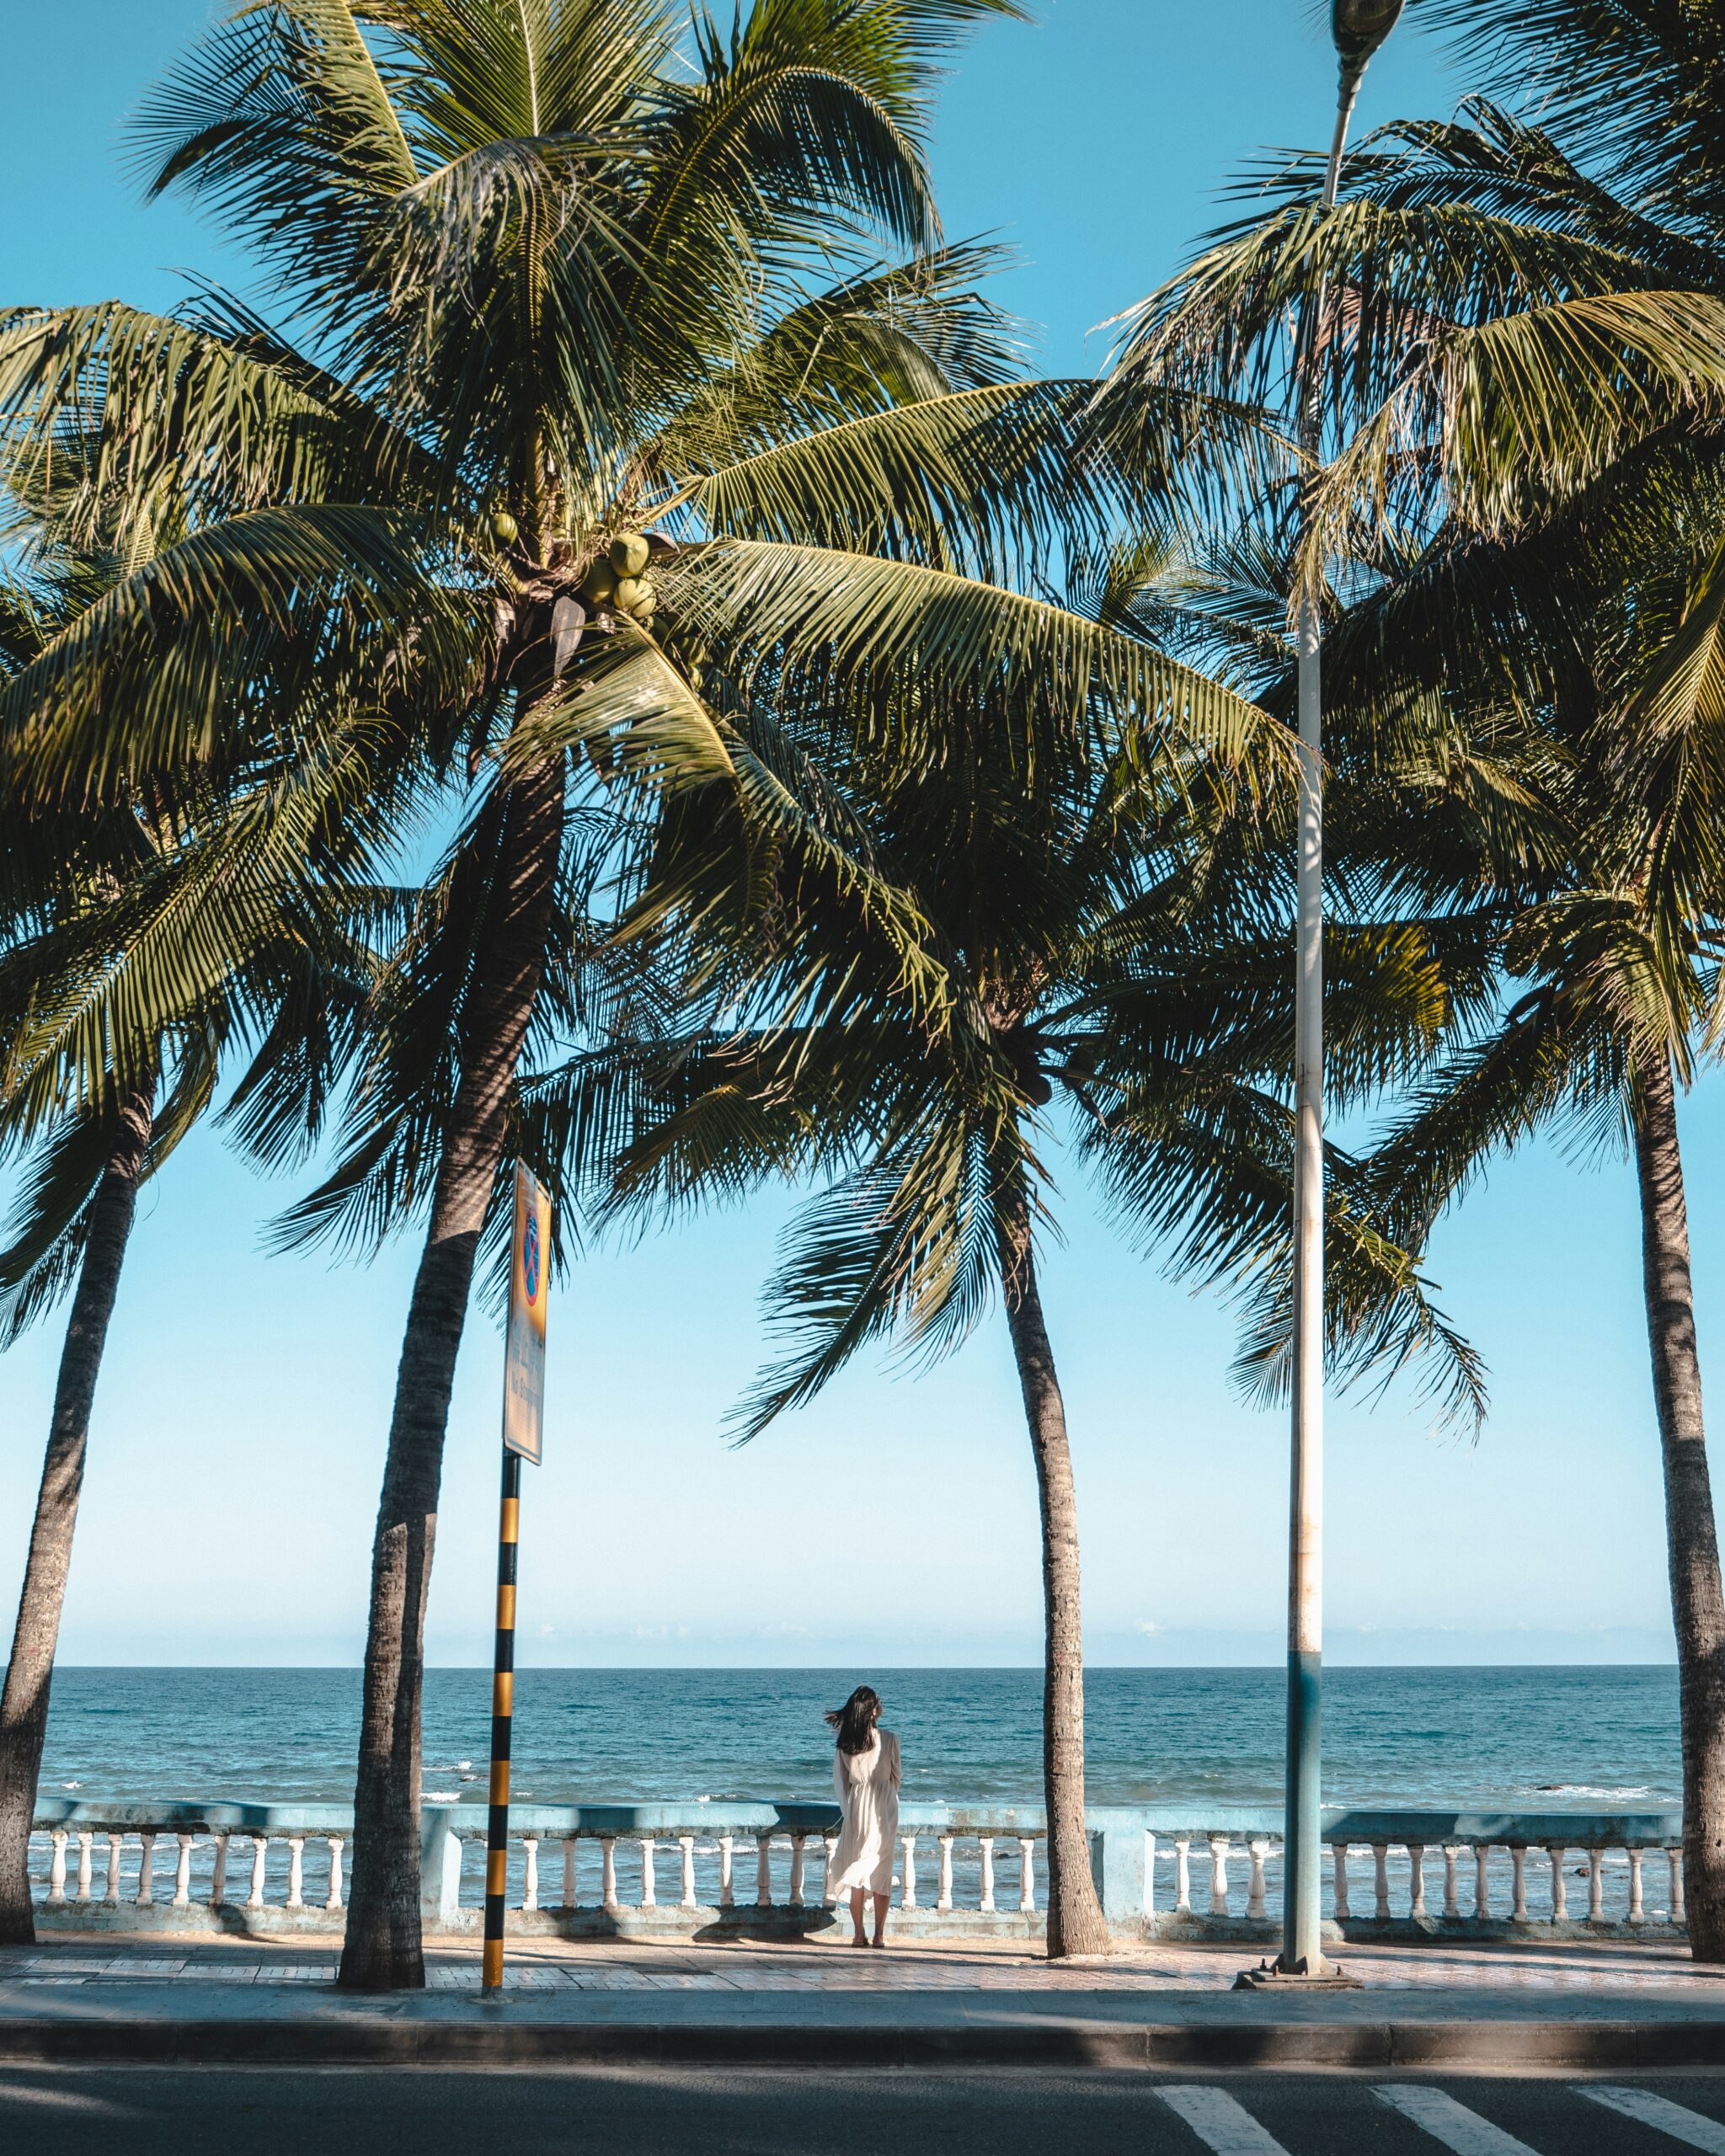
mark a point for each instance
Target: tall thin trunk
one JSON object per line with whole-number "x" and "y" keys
{"x": 1075, "y": 1924}
{"x": 383, "y": 1948}
{"x": 1691, "y": 1537}
{"x": 24, "y": 1704}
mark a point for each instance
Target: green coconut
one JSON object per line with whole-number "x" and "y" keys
{"x": 629, "y": 553}
{"x": 632, "y": 593}
{"x": 600, "y": 583}
{"x": 504, "y": 528}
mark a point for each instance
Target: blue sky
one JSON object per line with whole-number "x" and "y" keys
{"x": 239, "y": 1429}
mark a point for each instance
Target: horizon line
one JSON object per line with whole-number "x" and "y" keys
{"x": 895, "y": 1668}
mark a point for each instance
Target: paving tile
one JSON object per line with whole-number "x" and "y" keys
{"x": 1531, "y": 1972}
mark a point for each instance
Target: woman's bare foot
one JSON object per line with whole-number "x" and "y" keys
{"x": 861, "y": 1940}
{"x": 878, "y": 1942}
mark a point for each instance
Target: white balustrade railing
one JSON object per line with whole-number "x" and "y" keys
{"x": 286, "y": 1866}
{"x": 201, "y": 1870}
{"x": 1513, "y": 1883}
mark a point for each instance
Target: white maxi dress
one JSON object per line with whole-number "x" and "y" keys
{"x": 868, "y": 1787}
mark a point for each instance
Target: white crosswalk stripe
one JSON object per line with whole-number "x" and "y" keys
{"x": 1220, "y": 2124}
{"x": 1452, "y": 2123}
{"x": 1664, "y": 2116}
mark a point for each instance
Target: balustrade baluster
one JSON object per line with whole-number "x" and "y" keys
{"x": 727, "y": 1890}
{"x": 182, "y": 1874}
{"x": 907, "y": 1898}
{"x": 1183, "y": 1875}
{"x": 763, "y": 1872}
{"x": 295, "y": 1871}
{"x": 797, "y": 1841}
{"x": 1219, "y": 1847}
{"x": 85, "y": 1844}
{"x": 987, "y": 1901}
{"x": 1149, "y": 1874}
{"x": 607, "y": 1850}
{"x": 945, "y": 1899}
{"x": 1381, "y": 1879}
{"x": 1481, "y": 1880}
{"x": 829, "y": 1865}
{"x": 1518, "y": 1906}
{"x": 147, "y": 1866}
{"x": 1636, "y": 1914}
{"x": 218, "y": 1873}
{"x": 1027, "y": 1874}
{"x": 332, "y": 1900}
{"x": 56, "y": 1864}
{"x": 650, "y": 1897}
{"x": 1338, "y": 1858}
{"x": 260, "y": 1850}
{"x": 1673, "y": 1859}
{"x": 1595, "y": 1886}
{"x": 1416, "y": 1881}
{"x": 1560, "y": 1893}
{"x": 1257, "y": 1849}
{"x": 568, "y": 1872}
{"x": 114, "y": 1846}
{"x": 530, "y": 1875}
{"x": 687, "y": 1844}
{"x": 1452, "y": 1907}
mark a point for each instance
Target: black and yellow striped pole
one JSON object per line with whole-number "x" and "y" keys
{"x": 523, "y": 1420}
{"x": 503, "y": 1707}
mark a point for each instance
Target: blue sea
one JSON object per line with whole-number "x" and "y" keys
{"x": 1497, "y": 1735}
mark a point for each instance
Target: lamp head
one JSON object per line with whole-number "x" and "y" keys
{"x": 1359, "y": 28}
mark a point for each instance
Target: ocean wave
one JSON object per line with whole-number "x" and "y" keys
{"x": 1600, "y": 1796}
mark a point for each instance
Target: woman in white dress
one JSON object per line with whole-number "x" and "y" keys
{"x": 865, "y": 1773}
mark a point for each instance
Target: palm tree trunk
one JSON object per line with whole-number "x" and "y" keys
{"x": 382, "y": 1948}
{"x": 1075, "y": 1924}
{"x": 1691, "y": 1538}
{"x": 24, "y": 1704}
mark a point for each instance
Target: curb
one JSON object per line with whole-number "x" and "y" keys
{"x": 376, "y": 2040}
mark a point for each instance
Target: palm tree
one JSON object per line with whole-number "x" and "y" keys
{"x": 99, "y": 1230}
{"x": 551, "y": 264}
{"x": 138, "y": 948}
{"x": 1101, "y": 921}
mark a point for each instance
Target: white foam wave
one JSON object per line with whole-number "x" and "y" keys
{"x": 1592, "y": 1790}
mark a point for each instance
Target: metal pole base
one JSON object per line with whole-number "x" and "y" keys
{"x": 1270, "y": 1976}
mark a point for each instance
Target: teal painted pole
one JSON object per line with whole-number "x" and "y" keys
{"x": 1359, "y": 27}
{"x": 1302, "y": 1852}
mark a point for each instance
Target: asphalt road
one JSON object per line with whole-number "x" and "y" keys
{"x": 408, "y": 2112}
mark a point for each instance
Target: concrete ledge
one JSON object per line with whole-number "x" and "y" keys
{"x": 506, "y": 2036}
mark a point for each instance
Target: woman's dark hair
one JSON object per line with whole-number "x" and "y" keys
{"x": 855, "y": 1720}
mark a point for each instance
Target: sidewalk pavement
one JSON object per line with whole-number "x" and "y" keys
{"x": 1617, "y": 2005}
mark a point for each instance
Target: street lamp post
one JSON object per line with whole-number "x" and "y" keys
{"x": 1359, "y": 28}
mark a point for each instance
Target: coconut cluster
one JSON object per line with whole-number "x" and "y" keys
{"x": 618, "y": 579}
